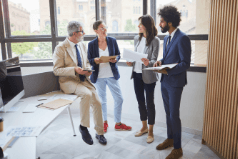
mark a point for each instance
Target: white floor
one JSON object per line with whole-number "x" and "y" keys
{"x": 58, "y": 142}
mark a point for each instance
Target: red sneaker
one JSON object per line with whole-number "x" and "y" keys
{"x": 122, "y": 127}
{"x": 105, "y": 127}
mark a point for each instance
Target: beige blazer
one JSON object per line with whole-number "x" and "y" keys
{"x": 64, "y": 63}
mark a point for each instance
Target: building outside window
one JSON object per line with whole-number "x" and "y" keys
{"x": 58, "y": 10}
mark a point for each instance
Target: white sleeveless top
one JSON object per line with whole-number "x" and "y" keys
{"x": 105, "y": 70}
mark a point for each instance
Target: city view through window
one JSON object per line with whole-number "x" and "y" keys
{"x": 121, "y": 16}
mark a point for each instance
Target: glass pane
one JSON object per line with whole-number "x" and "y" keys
{"x": 121, "y": 16}
{"x": 79, "y": 10}
{"x": 199, "y": 52}
{"x": 29, "y": 17}
{"x": 32, "y": 50}
{"x": 194, "y": 15}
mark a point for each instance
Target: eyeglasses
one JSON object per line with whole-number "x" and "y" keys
{"x": 80, "y": 31}
{"x": 104, "y": 28}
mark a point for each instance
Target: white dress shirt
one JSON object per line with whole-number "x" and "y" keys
{"x": 172, "y": 35}
{"x": 140, "y": 49}
{"x": 72, "y": 45}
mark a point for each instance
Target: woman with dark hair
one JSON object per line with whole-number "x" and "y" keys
{"x": 106, "y": 73}
{"x": 144, "y": 81}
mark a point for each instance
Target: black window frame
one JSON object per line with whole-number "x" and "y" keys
{"x": 6, "y": 38}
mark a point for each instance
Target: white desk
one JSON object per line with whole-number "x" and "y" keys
{"x": 25, "y": 147}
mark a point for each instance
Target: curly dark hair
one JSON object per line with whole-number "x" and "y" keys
{"x": 170, "y": 14}
{"x": 151, "y": 30}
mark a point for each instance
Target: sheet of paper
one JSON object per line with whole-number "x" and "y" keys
{"x": 107, "y": 58}
{"x": 4, "y": 139}
{"x": 24, "y": 131}
{"x": 133, "y": 56}
{"x": 30, "y": 108}
{"x": 14, "y": 109}
{"x": 63, "y": 96}
{"x": 169, "y": 66}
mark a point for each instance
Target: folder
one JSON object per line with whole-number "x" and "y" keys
{"x": 106, "y": 59}
{"x": 55, "y": 104}
{"x": 168, "y": 66}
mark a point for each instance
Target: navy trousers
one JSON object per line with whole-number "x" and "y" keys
{"x": 171, "y": 98}
{"x": 146, "y": 106}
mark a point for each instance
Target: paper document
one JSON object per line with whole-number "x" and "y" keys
{"x": 24, "y": 131}
{"x": 30, "y": 108}
{"x": 168, "y": 66}
{"x": 55, "y": 104}
{"x": 14, "y": 109}
{"x": 4, "y": 140}
{"x": 63, "y": 96}
{"x": 133, "y": 56}
{"x": 106, "y": 59}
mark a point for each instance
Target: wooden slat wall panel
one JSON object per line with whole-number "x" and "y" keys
{"x": 220, "y": 129}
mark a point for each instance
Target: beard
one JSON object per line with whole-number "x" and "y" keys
{"x": 79, "y": 39}
{"x": 165, "y": 29}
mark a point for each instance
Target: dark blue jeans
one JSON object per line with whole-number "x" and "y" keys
{"x": 146, "y": 109}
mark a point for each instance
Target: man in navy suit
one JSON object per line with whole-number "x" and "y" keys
{"x": 176, "y": 49}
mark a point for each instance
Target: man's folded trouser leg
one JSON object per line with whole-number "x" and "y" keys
{"x": 89, "y": 97}
{"x": 97, "y": 113}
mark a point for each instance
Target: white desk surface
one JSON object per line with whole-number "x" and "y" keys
{"x": 41, "y": 117}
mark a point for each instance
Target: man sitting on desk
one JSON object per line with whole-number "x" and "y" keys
{"x": 70, "y": 60}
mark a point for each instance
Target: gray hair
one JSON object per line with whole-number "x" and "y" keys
{"x": 73, "y": 27}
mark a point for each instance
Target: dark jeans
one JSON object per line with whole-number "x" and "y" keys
{"x": 147, "y": 110}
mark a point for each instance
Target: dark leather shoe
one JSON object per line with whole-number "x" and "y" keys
{"x": 86, "y": 136}
{"x": 101, "y": 139}
{"x": 175, "y": 154}
{"x": 167, "y": 143}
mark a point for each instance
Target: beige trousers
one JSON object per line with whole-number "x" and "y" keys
{"x": 89, "y": 97}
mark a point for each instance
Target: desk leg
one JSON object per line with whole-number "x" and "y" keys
{"x": 69, "y": 111}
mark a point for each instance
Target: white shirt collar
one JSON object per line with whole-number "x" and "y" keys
{"x": 71, "y": 43}
{"x": 172, "y": 34}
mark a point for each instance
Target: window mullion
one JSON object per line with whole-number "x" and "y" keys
{"x": 153, "y": 9}
{"x": 97, "y": 10}
{"x": 53, "y": 19}
{"x": 144, "y": 7}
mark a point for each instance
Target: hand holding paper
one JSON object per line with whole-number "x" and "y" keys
{"x": 133, "y": 56}
{"x": 106, "y": 59}
{"x": 97, "y": 60}
{"x": 113, "y": 60}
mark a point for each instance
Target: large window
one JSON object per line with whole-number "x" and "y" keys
{"x": 34, "y": 28}
{"x": 124, "y": 14}
{"x": 32, "y": 50}
{"x": 87, "y": 17}
{"x": 195, "y": 20}
{"x": 28, "y": 17}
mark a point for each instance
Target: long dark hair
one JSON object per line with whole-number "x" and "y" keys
{"x": 151, "y": 30}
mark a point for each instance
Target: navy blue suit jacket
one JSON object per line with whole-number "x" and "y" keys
{"x": 177, "y": 51}
{"x": 93, "y": 52}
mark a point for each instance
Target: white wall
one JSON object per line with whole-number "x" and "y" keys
{"x": 192, "y": 103}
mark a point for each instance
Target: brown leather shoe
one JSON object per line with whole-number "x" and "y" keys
{"x": 167, "y": 143}
{"x": 175, "y": 154}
